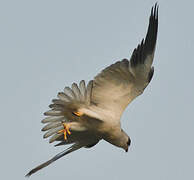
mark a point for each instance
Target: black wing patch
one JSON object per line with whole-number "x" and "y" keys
{"x": 147, "y": 47}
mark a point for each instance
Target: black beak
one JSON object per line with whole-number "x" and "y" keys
{"x": 128, "y": 144}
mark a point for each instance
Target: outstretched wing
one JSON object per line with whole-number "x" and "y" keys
{"x": 58, "y": 156}
{"x": 63, "y": 110}
{"x": 117, "y": 85}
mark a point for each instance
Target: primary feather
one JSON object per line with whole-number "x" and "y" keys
{"x": 94, "y": 110}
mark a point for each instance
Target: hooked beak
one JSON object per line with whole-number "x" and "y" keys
{"x": 128, "y": 144}
{"x": 126, "y": 150}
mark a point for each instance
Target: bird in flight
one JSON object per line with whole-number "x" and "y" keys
{"x": 82, "y": 115}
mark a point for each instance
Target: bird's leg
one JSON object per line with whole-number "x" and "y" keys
{"x": 66, "y": 130}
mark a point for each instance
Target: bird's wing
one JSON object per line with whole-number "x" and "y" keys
{"x": 117, "y": 85}
{"x": 65, "y": 110}
{"x": 58, "y": 156}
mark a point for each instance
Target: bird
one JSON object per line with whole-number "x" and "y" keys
{"x": 84, "y": 114}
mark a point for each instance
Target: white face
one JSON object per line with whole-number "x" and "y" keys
{"x": 123, "y": 141}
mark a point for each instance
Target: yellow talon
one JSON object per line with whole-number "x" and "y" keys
{"x": 68, "y": 131}
{"x": 65, "y": 131}
{"x": 78, "y": 113}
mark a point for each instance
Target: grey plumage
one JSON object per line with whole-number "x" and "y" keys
{"x": 76, "y": 90}
{"x": 53, "y": 119}
{"x": 53, "y": 131}
{"x": 68, "y": 91}
{"x": 82, "y": 87}
{"x": 93, "y": 112}
{"x": 51, "y": 125}
{"x": 55, "y": 137}
{"x": 64, "y": 97}
{"x": 53, "y": 113}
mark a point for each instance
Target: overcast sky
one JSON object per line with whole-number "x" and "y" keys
{"x": 46, "y": 45}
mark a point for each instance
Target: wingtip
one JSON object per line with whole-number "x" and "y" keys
{"x": 31, "y": 172}
{"x": 28, "y": 175}
{"x": 154, "y": 11}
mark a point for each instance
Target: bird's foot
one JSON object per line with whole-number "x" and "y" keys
{"x": 78, "y": 113}
{"x": 65, "y": 131}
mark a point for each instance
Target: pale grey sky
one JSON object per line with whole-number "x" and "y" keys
{"x": 46, "y": 45}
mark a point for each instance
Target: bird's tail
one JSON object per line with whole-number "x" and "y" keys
{"x": 74, "y": 147}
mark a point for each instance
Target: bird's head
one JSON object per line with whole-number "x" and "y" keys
{"x": 128, "y": 144}
{"x": 126, "y": 141}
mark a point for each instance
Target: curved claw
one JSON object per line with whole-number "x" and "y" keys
{"x": 65, "y": 131}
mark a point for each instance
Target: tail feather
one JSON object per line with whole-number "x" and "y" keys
{"x": 58, "y": 156}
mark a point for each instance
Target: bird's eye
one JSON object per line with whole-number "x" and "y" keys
{"x": 129, "y": 142}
